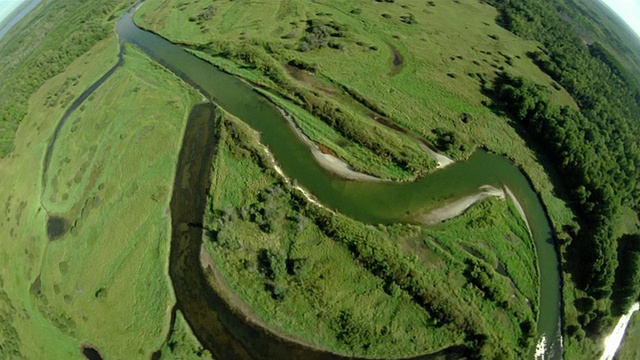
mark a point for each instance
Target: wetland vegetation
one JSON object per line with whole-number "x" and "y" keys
{"x": 366, "y": 290}
{"x": 105, "y": 275}
{"x": 102, "y": 254}
{"x": 531, "y": 77}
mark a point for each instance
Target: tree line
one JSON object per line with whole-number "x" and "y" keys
{"x": 594, "y": 148}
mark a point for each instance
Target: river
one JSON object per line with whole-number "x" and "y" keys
{"x": 227, "y": 334}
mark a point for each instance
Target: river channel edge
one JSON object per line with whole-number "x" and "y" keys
{"x": 201, "y": 293}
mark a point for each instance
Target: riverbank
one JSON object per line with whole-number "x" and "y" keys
{"x": 518, "y": 207}
{"x": 343, "y": 169}
{"x": 256, "y": 296}
{"x": 457, "y": 207}
{"x": 327, "y": 161}
{"x": 442, "y": 160}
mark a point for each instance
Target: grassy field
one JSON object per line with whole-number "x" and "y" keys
{"x": 405, "y": 62}
{"x": 104, "y": 282}
{"x": 303, "y": 281}
{"x": 41, "y": 46}
{"x": 436, "y": 87}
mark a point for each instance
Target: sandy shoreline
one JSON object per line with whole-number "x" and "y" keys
{"x": 341, "y": 168}
{"x": 442, "y": 160}
{"x": 458, "y": 206}
{"x": 327, "y": 161}
{"x": 447, "y": 211}
{"x": 281, "y": 173}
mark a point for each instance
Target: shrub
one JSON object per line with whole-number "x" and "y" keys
{"x": 408, "y": 19}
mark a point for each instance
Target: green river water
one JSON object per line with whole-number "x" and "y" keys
{"x": 371, "y": 202}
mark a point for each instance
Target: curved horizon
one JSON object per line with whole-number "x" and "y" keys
{"x": 7, "y": 7}
{"x": 628, "y": 11}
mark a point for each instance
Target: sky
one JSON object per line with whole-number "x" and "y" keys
{"x": 628, "y": 10}
{"x": 7, "y": 6}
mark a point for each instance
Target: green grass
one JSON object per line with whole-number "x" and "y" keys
{"x": 26, "y": 229}
{"x": 111, "y": 175}
{"x": 627, "y": 222}
{"x": 252, "y": 214}
{"x": 313, "y": 301}
{"x": 42, "y": 45}
{"x": 420, "y": 97}
{"x": 438, "y": 85}
{"x": 493, "y": 231}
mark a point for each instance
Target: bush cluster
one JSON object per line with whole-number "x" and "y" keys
{"x": 320, "y": 34}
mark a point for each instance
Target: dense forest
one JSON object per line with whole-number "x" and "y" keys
{"x": 595, "y": 149}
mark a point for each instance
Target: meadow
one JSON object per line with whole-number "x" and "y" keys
{"x": 351, "y": 72}
{"x": 103, "y": 283}
{"x": 42, "y": 45}
{"x": 407, "y": 64}
{"x": 436, "y": 89}
{"x": 296, "y": 266}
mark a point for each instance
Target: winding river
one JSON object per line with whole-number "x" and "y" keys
{"x": 228, "y": 334}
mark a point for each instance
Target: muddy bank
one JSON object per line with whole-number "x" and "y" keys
{"x": 457, "y": 207}
{"x": 613, "y": 341}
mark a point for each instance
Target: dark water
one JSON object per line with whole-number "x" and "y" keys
{"x": 368, "y": 202}
{"x": 56, "y": 227}
{"x": 74, "y": 105}
{"x": 90, "y": 353}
